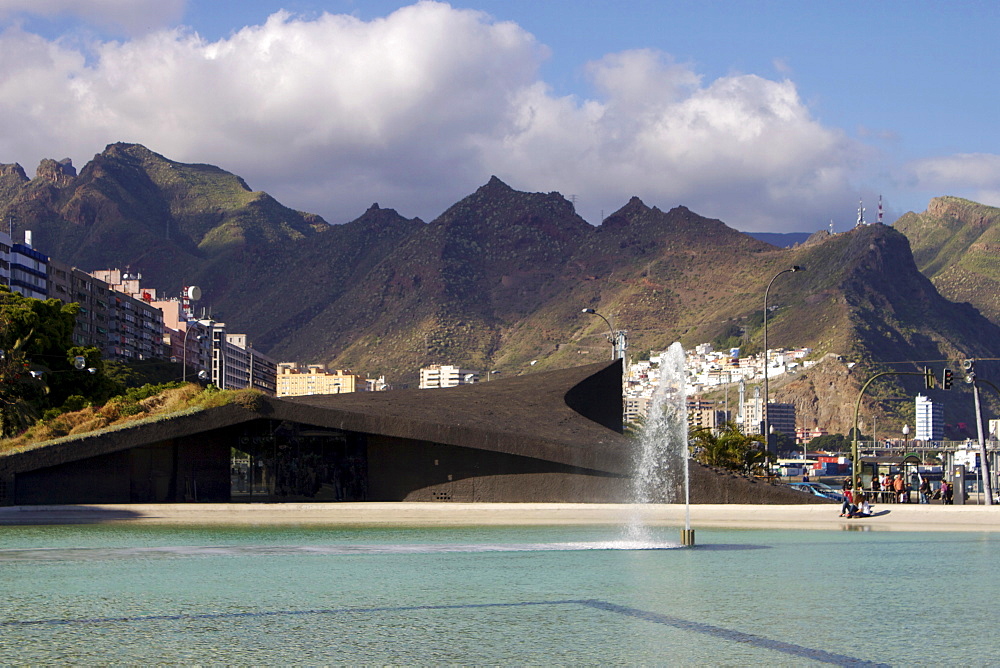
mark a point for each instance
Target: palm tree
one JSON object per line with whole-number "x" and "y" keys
{"x": 730, "y": 448}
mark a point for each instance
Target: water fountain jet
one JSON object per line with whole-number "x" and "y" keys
{"x": 661, "y": 472}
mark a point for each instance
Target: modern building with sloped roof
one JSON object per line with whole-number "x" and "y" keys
{"x": 544, "y": 437}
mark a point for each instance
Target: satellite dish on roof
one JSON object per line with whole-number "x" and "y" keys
{"x": 193, "y": 292}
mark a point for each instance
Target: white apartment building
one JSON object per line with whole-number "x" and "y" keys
{"x": 446, "y": 375}
{"x": 236, "y": 365}
{"x": 22, "y": 268}
{"x": 6, "y": 244}
{"x": 781, "y": 417}
{"x": 929, "y": 420}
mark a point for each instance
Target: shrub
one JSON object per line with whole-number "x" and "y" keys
{"x": 75, "y": 402}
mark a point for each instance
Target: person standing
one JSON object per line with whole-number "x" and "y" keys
{"x": 946, "y": 493}
{"x": 924, "y": 490}
{"x": 899, "y": 486}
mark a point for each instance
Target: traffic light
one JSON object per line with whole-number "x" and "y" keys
{"x": 970, "y": 371}
{"x": 946, "y": 379}
{"x": 929, "y": 378}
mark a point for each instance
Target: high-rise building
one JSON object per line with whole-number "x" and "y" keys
{"x": 236, "y": 365}
{"x": 23, "y": 268}
{"x": 781, "y": 417}
{"x": 929, "y": 420}
{"x": 121, "y": 325}
{"x": 703, "y": 414}
{"x": 136, "y": 326}
{"x": 69, "y": 284}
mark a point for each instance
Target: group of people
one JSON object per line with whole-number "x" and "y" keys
{"x": 856, "y": 502}
{"x": 890, "y": 489}
{"x": 855, "y": 507}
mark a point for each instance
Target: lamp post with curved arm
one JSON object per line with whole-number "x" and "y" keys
{"x": 611, "y": 332}
{"x": 767, "y": 396}
{"x": 184, "y": 356}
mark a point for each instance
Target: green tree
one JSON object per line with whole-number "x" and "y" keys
{"x": 37, "y": 371}
{"x": 20, "y": 392}
{"x": 44, "y": 327}
{"x": 729, "y": 448}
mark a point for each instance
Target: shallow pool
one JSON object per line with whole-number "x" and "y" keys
{"x": 140, "y": 593}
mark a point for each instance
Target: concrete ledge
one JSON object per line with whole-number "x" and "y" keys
{"x": 899, "y": 518}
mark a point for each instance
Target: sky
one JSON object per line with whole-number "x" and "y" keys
{"x": 773, "y": 116}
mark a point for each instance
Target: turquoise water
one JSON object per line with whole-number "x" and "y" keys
{"x": 242, "y": 595}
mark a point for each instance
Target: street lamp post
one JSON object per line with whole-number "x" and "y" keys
{"x": 617, "y": 340}
{"x": 767, "y": 397}
{"x": 729, "y": 379}
{"x": 184, "y": 356}
{"x": 611, "y": 332}
{"x": 906, "y": 476}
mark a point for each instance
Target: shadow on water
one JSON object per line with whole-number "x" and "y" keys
{"x": 727, "y": 548}
{"x": 180, "y": 551}
{"x": 37, "y": 515}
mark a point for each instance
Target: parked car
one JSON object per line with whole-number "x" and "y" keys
{"x": 818, "y": 489}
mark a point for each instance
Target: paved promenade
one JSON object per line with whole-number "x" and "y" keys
{"x": 900, "y": 517}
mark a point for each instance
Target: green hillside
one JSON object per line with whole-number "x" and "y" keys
{"x": 956, "y": 243}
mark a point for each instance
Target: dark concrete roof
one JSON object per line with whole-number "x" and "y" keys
{"x": 567, "y": 416}
{"x": 527, "y": 415}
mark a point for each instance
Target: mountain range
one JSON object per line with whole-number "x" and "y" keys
{"x": 497, "y": 282}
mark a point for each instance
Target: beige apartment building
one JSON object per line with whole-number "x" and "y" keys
{"x": 703, "y": 414}
{"x": 296, "y": 380}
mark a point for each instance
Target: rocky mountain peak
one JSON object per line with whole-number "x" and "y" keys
{"x": 58, "y": 173}
{"x": 495, "y": 185}
{"x": 13, "y": 170}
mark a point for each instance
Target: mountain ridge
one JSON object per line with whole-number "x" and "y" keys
{"x": 496, "y": 282}
{"x": 956, "y": 243}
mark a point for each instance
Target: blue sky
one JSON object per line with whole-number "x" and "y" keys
{"x": 774, "y": 116}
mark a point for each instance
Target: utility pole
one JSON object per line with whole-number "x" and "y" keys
{"x": 984, "y": 463}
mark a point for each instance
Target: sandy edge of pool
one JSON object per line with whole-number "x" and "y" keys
{"x": 903, "y": 517}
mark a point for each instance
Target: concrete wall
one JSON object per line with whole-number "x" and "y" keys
{"x": 195, "y": 468}
{"x": 402, "y": 470}
{"x": 102, "y": 479}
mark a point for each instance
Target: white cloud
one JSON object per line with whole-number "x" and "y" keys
{"x": 131, "y": 16}
{"x": 972, "y": 175}
{"x": 742, "y": 148}
{"x": 417, "y": 109}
